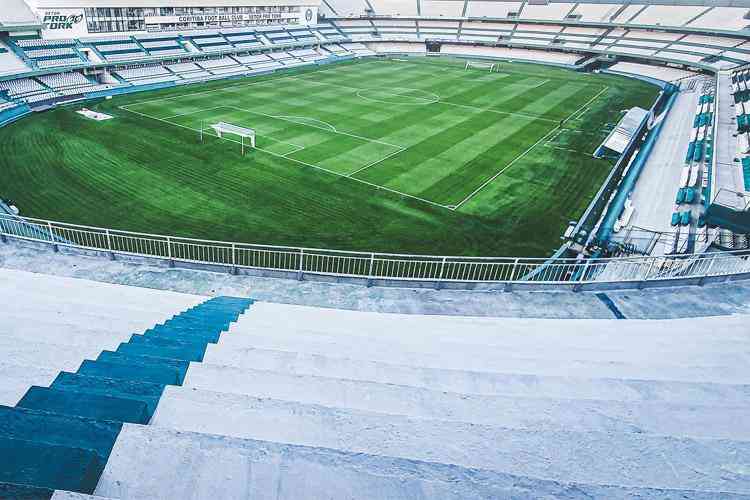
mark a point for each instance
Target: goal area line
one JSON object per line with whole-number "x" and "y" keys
{"x": 303, "y": 163}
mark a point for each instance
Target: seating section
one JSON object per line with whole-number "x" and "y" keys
{"x": 72, "y": 83}
{"x": 344, "y": 404}
{"x": 10, "y": 63}
{"x": 663, "y": 73}
{"x": 27, "y": 89}
{"x": 147, "y": 75}
{"x": 51, "y": 53}
{"x": 741, "y": 93}
{"x": 61, "y": 413}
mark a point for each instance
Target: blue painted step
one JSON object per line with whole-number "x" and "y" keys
{"x": 60, "y": 430}
{"x": 24, "y": 492}
{"x": 178, "y": 366}
{"x": 85, "y": 405}
{"x": 127, "y": 389}
{"x": 161, "y": 348}
{"x": 164, "y": 375}
{"x": 61, "y": 437}
{"x": 183, "y": 334}
{"x": 49, "y": 466}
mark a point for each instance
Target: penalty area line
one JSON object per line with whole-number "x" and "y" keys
{"x": 316, "y": 167}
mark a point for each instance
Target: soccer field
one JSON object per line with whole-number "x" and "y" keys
{"x": 416, "y": 155}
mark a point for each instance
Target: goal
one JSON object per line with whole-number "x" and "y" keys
{"x": 480, "y": 65}
{"x": 243, "y": 133}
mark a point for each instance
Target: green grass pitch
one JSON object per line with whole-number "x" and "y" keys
{"x": 390, "y": 155}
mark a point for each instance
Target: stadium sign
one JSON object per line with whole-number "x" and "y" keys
{"x": 54, "y": 20}
{"x": 63, "y": 23}
{"x": 214, "y": 18}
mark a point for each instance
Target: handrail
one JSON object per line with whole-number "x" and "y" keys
{"x": 302, "y": 261}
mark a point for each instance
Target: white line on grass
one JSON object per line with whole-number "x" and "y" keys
{"x": 191, "y": 112}
{"x": 335, "y": 131}
{"x": 437, "y": 101}
{"x": 317, "y": 167}
{"x": 233, "y": 87}
{"x": 373, "y": 163}
{"x": 514, "y": 160}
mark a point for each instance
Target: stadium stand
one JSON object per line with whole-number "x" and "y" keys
{"x": 72, "y": 83}
{"x": 145, "y": 75}
{"x": 663, "y": 73}
{"x": 10, "y": 63}
{"x": 346, "y": 404}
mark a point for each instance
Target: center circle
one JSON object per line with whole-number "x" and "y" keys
{"x": 399, "y": 95}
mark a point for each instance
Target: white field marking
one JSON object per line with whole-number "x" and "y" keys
{"x": 539, "y": 84}
{"x": 305, "y": 119}
{"x": 238, "y": 86}
{"x": 357, "y": 90}
{"x": 191, "y": 112}
{"x": 547, "y": 144}
{"x": 373, "y": 163}
{"x": 316, "y": 167}
{"x": 506, "y": 167}
{"x": 362, "y": 138}
{"x": 431, "y": 100}
{"x": 514, "y": 160}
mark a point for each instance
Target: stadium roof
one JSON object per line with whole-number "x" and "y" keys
{"x": 15, "y": 13}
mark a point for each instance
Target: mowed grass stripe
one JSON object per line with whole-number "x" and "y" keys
{"x": 138, "y": 173}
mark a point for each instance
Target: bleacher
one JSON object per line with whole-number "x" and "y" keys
{"x": 71, "y": 83}
{"x": 213, "y": 42}
{"x": 27, "y": 90}
{"x": 161, "y": 45}
{"x": 118, "y": 49}
{"x": 51, "y": 53}
{"x": 10, "y": 63}
{"x": 189, "y": 71}
{"x": 741, "y": 95}
{"x": 222, "y": 66}
{"x": 128, "y": 392}
{"x": 145, "y": 75}
{"x": 242, "y": 39}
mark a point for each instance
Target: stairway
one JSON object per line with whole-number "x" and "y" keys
{"x": 61, "y": 436}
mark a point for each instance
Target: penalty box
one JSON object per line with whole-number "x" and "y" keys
{"x": 300, "y": 138}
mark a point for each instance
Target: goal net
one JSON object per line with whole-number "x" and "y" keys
{"x": 246, "y": 135}
{"x": 480, "y": 65}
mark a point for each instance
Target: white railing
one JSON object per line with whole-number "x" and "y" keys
{"x": 376, "y": 266}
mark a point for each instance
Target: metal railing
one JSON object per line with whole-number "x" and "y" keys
{"x": 376, "y": 266}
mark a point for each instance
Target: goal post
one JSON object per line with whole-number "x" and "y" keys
{"x": 222, "y": 128}
{"x": 480, "y": 65}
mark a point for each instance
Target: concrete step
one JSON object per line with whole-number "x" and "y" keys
{"x": 475, "y": 382}
{"x": 183, "y": 333}
{"x": 127, "y": 389}
{"x": 70, "y": 495}
{"x": 94, "y": 292}
{"x": 189, "y": 350}
{"x": 607, "y": 334}
{"x": 24, "y": 492}
{"x": 179, "y": 366}
{"x": 61, "y": 430}
{"x": 630, "y": 459}
{"x": 70, "y": 336}
{"x": 154, "y": 463}
{"x": 49, "y": 466}
{"x": 654, "y": 417}
{"x": 85, "y": 405}
{"x": 15, "y": 380}
{"x": 228, "y": 354}
{"x": 155, "y": 374}
{"x": 483, "y": 357}
{"x": 55, "y": 356}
